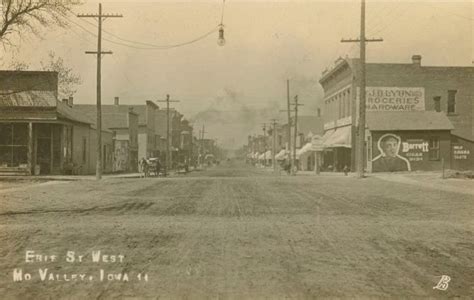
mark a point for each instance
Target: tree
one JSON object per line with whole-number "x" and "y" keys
{"x": 19, "y": 16}
{"x": 67, "y": 79}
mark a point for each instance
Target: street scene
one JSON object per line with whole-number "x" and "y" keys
{"x": 218, "y": 149}
{"x": 234, "y": 231}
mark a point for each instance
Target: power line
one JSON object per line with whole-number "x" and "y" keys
{"x": 149, "y": 45}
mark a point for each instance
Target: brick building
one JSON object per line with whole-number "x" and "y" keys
{"x": 435, "y": 105}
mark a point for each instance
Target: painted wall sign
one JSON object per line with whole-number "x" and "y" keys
{"x": 389, "y": 158}
{"x": 413, "y": 149}
{"x": 460, "y": 153}
{"x": 395, "y": 98}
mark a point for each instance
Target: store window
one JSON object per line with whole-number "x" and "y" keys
{"x": 452, "y": 101}
{"x": 434, "y": 148}
{"x": 13, "y": 145}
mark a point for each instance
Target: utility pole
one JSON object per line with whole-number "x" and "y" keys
{"x": 296, "y": 104}
{"x": 168, "y": 140}
{"x": 100, "y": 17}
{"x": 264, "y": 144}
{"x": 274, "y": 122}
{"x": 289, "y": 124}
{"x": 361, "y": 125}
{"x": 203, "y": 131}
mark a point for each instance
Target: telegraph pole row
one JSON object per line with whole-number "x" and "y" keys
{"x": 100, "y": 17}
{"x": 168, "y": 140}
{"x": 361, "y": 125}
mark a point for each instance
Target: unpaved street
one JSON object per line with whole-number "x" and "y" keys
{"x": 234, "y": 231}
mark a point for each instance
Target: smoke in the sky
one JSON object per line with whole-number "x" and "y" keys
{"x": 231, "y": 119}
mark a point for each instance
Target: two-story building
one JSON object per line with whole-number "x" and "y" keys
{"x": 418, "y": 117}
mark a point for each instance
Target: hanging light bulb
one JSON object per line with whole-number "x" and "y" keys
{"x": 221, "y": 39}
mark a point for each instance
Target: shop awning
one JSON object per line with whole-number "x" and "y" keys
{"x": 268, "y": 154}
{"x": 306, "y": 148}
{"x": 341, "y": 137}
{"x": 281, "y": 155}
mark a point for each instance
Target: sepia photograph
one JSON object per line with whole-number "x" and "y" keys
{"x": 236, "y": 149}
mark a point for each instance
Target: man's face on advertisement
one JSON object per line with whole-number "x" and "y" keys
{"x": 390, "y": 146}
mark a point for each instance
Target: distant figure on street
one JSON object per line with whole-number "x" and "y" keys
{"x": 144, "y": 167}
{"x": 140, "y": 166}
{"x": 346, "y": 170}
{"x": 157, "y": 167}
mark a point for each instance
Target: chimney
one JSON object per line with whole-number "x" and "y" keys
{"x": 116, "y": 101}
{"x": 70, "y": 101}
{"x": 416, "y": 60}
{"x": 319, "y": 112}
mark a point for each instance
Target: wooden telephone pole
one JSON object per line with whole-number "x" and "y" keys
{"x": 203, "y": 131}
{"x": 289, "y": 123}
{"x": 296, "y": 104}
{"x": 100, "y": 18}
{"x": 274, "y": 122}
{"x": 361, "y": 125}
{"x": 168, "y": 140}
{"x": 264, "y": 144}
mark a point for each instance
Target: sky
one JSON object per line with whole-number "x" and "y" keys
{"x": 236, "y": 88}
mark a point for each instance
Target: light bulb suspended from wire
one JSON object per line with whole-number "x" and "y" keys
{"x": 221, "y": 39}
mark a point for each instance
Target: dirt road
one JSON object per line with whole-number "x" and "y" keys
{"x": 236, "y": 232}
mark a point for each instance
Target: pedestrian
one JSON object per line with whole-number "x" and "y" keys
{"x": 140, "y": 166}
{"x": 144, "y": 167}
{"x": 346, "y": 170}
{"x": 157, "y": 167}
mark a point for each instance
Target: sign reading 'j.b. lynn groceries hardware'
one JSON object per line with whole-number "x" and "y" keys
{"x": 395, "y": 98}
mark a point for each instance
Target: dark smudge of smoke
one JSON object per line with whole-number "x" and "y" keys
{"x": 230, "y": 119}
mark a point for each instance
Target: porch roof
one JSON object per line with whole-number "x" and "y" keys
{"x": 410, "y": 120}
{"x": 27, "y": 98}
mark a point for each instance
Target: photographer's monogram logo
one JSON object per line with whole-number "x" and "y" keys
{"x": 443, "y": 283}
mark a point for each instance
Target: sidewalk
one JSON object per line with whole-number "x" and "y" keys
{"x": 79, "y": 177}
{"x": 432, "y": 180}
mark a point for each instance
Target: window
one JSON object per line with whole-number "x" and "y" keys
{"x": 452, "y": 101}
{"x": 437, "y": 103}
{"x": 13, "y": 144}
{"x": 434, "y": 148}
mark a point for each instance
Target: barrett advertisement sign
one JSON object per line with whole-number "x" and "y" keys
{"x": 395, "y": 98}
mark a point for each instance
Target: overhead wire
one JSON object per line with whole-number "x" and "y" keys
{"x": 148, "y": 46}
{"x": 222, "y": 15}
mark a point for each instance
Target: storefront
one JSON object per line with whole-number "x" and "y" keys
{"x": 337, "y": 149}
{"x": 415, "y": 141}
